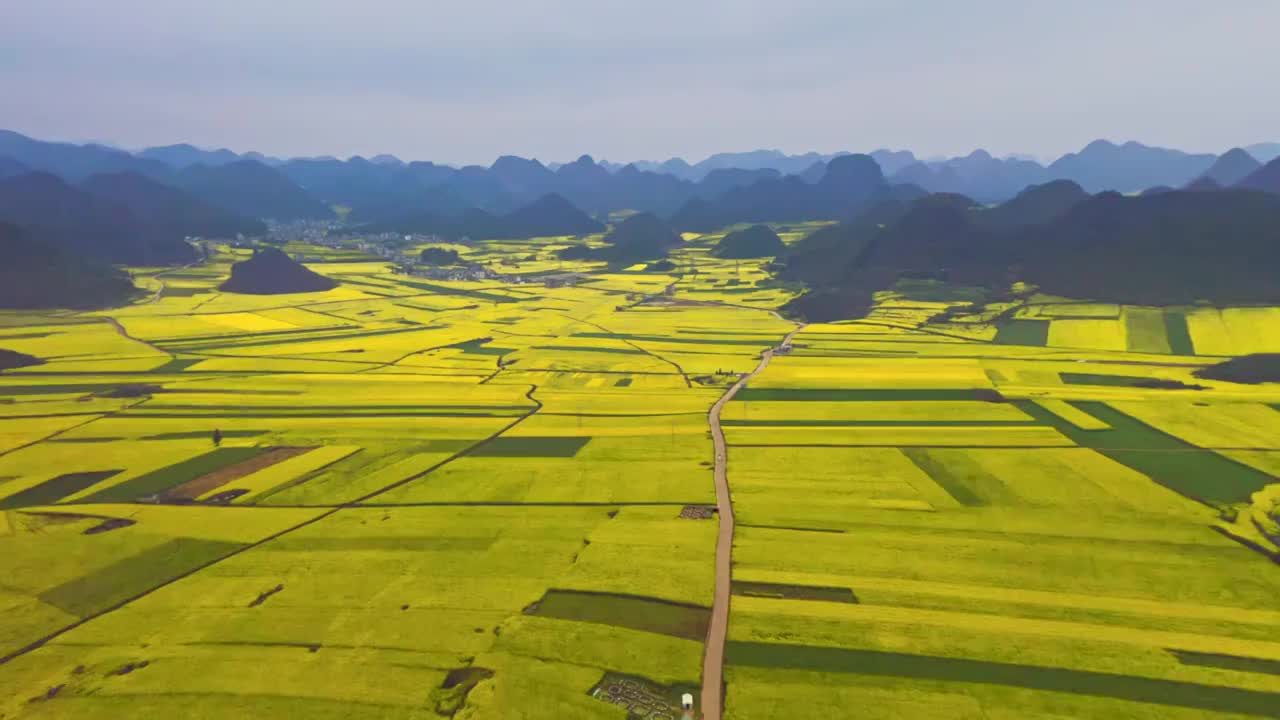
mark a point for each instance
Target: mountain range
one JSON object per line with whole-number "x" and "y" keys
{"x": 130, "y": 208}
{"x": 385, "y": 187}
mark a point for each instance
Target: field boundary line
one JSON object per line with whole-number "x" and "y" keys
{"x": 624, "y": 341}
{"x": 41, "y": 642}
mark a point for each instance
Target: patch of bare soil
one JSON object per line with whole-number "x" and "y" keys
{"x": 216, "y": 479}
{"x": 697, "y": 512}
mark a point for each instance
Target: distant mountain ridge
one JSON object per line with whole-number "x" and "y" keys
{"x": 385, "y": 188}
{"x": 1264, "y": 179}
{"x": 169, "y": 209}
{"x": 251, "y": 189}
{"x": 549, "y": 216}
{"x": 1231, "y": 167}
{"x": 75, "y": 162}
{"x": 1103, "y": 165}
{"x": 849, "y": 183}
{"x": 183, "y": 155}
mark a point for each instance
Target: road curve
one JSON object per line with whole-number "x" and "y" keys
{"x": 712, "y": 706}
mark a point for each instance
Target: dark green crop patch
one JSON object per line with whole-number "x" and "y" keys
{"x": 158, "y": 481}
{"x": 51, "y": 491}
{"x": 1133, "y": 688}
{"x": 1023, "y": 332}
{"x": 629, "y": 611}
{"x": 794, "y": 592}
{"x": 115, "y": 583}
{"x": 532, "y": 447}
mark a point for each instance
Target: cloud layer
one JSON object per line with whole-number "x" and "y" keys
{"x": 464, "y": 82}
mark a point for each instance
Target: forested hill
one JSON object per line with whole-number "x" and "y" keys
{"x": 35, "y": 275}
{"x": 1163, "y": 249}
{"x": 83, "y": 223}
{"x": 271, "y": 272}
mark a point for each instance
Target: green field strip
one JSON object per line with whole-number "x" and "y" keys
{"x": 444, "y": 409}
{"x": 133, "y": 576}
{"x": 52, "y": 415}
{"x": 1071, "y": 378}
{"x": 202, "y": 434}
{"x": 678, "y": 340}
{"x": 442, "y": 290}
{"x": 783, "y": 591}
{"x": 532, "y": 447}
{"x": 200, "y": 339}
{"x": 157, "y": 481}
{"x": 384, "y": 285}
{"x": 1023, "y": 332}
{"x": 1227, "y": 662}
{"x": 177, "y": 365}
{"x": 1175, "y": 328}
{"x": 901, "y": 445}
{"x": 764, "y": 336}
{"x": 1131, "y": 688}
{"x": 793, "y": 528}
{"x": 572, "y": 348}
{"x": 410, "y": 306}
{"x": 170, "y": 291}
{"x": 1188, "y": 470}
{"x": 963, "y": 480}
{"x": 519, "y": 503}
{"x": 296, "y": 340}
{"x": 1070, "y": 413}
{"x": 634, "y": 612}
{"x": 405, "y": 543}
{"x": 867, "y": 353}
{"x": 1145, "y": 331}
{"x": 59, "y": 389}
{"x": 480, "y": 346}
{"x": 878, "y": 423}
{"x": 51, "y": 491}
{"x": 215, "y": 413}
{"x": 747, "y": 394}
{"x": 688, "y": 413}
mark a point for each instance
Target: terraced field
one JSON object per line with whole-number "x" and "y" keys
{"x": 497, "y": 500}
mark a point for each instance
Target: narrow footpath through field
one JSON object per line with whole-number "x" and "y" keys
{"x": 713, "y": 655}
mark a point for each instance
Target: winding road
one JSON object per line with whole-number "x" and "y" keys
{"x": 713, "y": 657}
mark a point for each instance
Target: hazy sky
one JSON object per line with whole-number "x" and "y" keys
{"x": 467, "y": 80}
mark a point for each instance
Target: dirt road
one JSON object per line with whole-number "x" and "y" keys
{"x": 712, "y": 706}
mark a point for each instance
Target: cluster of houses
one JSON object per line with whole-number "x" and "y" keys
{"x": 315, "y": 232}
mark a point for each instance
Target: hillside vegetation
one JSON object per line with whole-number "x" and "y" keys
{"x": 35, "y": 275}
{"x": 752, "y": 242}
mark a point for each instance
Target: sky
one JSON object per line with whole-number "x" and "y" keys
{"x": 464, "y": 82}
